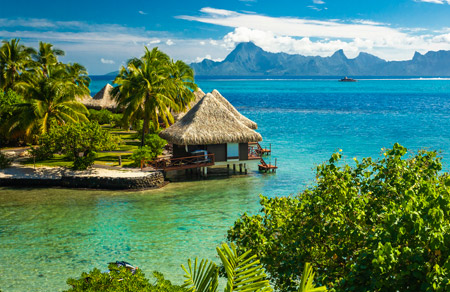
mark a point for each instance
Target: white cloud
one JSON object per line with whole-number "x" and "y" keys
{"x": 154, "y": 41}
{"x": 213, "y": 42}
{"x": 106, "y": 61}
{"x": 169, "y": 42}
{"x": 314, "y": 7}
{"x": 435, "y": 1}
{"x": 142, "y": 12}
{"x": 318, "y": 2}
{"x": 322, "y": 37}
{"x": 199, "y": 59}
{"x": 202, "y": 43}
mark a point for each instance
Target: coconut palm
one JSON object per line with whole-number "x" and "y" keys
{"x": 14, "y": 60}
{"x": 150, "y": 87}
{"x": 79, "y": 76}
{"x": 47, "y": 56}
{"x": 47, "y": 100}
{"x": 183, "y": 80}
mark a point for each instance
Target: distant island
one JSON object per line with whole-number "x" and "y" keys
{"x": 247, "y": 59}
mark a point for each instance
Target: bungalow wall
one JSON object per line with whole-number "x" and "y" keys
{"x": 219, "y": 150}
{"x": 243, "y": 151}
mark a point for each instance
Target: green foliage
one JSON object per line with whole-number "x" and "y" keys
{"x": 378, "y": 226}
{"x": 150, "y": 88}
{"x": 5, "y": 162}
{"x": 243, "y": 272}
{"x": 306, "y": 283}
{"x": 120, "y": 279}
{"x": 78, "y": 142}
{"x": 8, "y": 101}
{"x": 49, "y": 88}
{"x": 199, "y": 278}
{"x": 103, "y": 116}
{"x": 155, "y": 143}
{"x": 141, "y": 154}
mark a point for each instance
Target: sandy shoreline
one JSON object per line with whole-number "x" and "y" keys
{"x": 20, "y": 171}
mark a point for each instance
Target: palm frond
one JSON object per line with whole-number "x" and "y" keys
{"x": 201, "y": 278}
{"x": 306, "y": 283}
{"x": 244, "y": 272}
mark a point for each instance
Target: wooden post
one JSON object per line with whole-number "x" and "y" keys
{"x": 142, "y": 164}
{"x": 240, "y": 168}
{"x": 120, "y": 160}
{"x": 234, "y": 168}
{"x": 206, "y": 172}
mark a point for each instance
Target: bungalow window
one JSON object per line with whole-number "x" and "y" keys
{"x": 232, "y": 151}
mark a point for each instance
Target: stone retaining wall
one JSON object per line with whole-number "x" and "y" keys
{"x": 150, "y": 181}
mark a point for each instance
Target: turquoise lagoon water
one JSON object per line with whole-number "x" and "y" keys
{"x": 48, "y": 235}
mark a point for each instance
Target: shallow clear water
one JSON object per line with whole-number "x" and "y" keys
{"x": 48, "y": 235}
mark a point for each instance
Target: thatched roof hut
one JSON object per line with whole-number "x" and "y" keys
{"x": 102, "y": 100}
{"x": 209, "y": 122}
{"x": 234, "y": 111}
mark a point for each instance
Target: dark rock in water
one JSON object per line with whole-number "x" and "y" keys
{"x": 247, "y": 59}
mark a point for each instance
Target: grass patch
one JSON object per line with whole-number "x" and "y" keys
{"x": 56, "y": 160}
{"x": 112, "y": 159}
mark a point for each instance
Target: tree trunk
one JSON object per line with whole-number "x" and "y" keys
{"x": 144, "y": 130}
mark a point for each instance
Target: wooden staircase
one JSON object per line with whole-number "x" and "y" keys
{"x": 267, "y": 167}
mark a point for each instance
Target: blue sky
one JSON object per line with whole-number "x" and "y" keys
{"x": 102, "y": 35}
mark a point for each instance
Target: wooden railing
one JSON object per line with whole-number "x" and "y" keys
{"x": 256, "y": 148}
{"x": 253, "y": 152}
{"x": 182, "y": 162}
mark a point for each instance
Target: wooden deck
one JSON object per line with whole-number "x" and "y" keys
{"x": 181, "y": 163}
{"x": 267, "y": 167}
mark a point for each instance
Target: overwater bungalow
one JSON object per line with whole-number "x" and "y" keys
{"x": 212, "y": 133}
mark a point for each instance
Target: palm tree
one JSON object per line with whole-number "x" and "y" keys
{"x": 183, "y": 80}
{"x": 151, "y": 86}
{"x": 79, "y": 76}
{"x": 47, "y": 100}
{"x": 14, "y": 60}
{"x": 47, "y": 56}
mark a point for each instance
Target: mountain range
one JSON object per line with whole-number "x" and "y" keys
{"x": 247, "y": 59}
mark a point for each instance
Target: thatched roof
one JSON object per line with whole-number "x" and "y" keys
{"x": 209, "y": 122}
{"x": 199, "y": 94}
{"x": 233, "y": 110}
{"x": 102, "y": 100}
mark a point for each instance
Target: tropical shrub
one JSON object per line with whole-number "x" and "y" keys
{"x": 5, "y": 162}
{"x": 382, "y": 225}
{"x": 142, "y": 154}
{"x": 8, "y": 100}
{"x": 155, "y": 143}
{"x": 103, "y": 116}
{"x": 120, "y": 279}
{"x": 78, "y": 142}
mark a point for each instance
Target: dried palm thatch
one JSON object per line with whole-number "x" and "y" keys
{"x": 234, "y": 111}
{"x": 209, "y": 122}
{"x": 102, "y": 100}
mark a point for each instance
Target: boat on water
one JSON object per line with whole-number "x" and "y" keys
{"x": 346, "y": 79}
